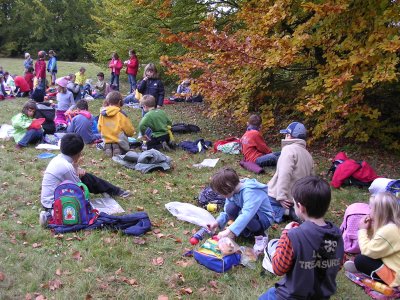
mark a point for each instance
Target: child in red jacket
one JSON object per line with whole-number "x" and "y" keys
{"x": 254, "y": 147}
{"x": 40, "y": 69}
{"x": 115, "y": 65}
{"x": 132, "y": 65}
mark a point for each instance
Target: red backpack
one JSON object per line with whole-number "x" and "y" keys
{"x": 225, "y": 141}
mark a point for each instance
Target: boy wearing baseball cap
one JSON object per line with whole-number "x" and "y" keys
{"x": 294, "y": 163}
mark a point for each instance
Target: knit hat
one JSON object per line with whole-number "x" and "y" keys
{"x": 63, "y": 81}
{"x": 27, "y": 55}
{"x": 296, "y": 130}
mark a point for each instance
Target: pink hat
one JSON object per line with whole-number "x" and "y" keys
{"x": 63, "y": 81}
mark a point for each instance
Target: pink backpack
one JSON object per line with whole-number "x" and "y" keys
{"x": 349, "y": 227}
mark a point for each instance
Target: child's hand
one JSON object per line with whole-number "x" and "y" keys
{"x": 226, "y": 233}
{"x": 365, "y": 223}
{"x": 81, "y": 172}
{"x": 291, "y": 225}
{"x": 286, "y": 203}
{"x": 212, "y": 227}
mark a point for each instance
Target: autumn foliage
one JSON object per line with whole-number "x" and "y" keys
{"x": 331, "y": 64}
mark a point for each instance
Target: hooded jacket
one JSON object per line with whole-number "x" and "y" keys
{"x": 318, "y": 253}
{"x": 113, "y": 122}
{"x": 252, "y": 198}
{"x": 294, "y": 163}
{"x": 132, "y": 66}
{"x": 21, "y": 123}
{"x": 82, "y": 124}
{"x": 253, "y": 145}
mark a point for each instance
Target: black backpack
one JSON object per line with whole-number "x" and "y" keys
{"x": 207, "y": 195}
{"x": 184, "y": 128}
{"x": 49, "y": 113}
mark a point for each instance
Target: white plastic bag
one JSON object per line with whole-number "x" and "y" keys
{"x": 190, "y": 213}
{"x": 107, "y": 205}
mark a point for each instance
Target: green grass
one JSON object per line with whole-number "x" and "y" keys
{"x": 31, "y": 257}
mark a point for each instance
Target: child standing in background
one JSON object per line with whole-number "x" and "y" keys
{"x": 29, "y": 77}
{"x": 152, "y": 85}
{"x": 65, "y": 100}
{"x": 40, "y": 70}
{"x": 378, "y": 237}
{"x": 115, "y": 65}
{"x": 80, "y": 80}
{"x": 132, "y": 66}
{"x": 25, "y": 132}
{"x": 28, "y": 62}
{"x": 114, "y": 125}
{"x": 52, "y": 66}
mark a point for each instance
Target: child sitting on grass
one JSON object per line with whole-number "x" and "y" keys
{"x": 24, "y": 131}
{"x": 310, "y": 254}
{"x": 82, "y": 123}
{"x": 254, "y": 147}
{"x": 246, "y": 204}
{"x": 115, "y": 126}
{"x": 378, "y": 237}
{"x": 100, "y": 87}
{"x": 65, "y": 166}
{"x": 155, "y": 121}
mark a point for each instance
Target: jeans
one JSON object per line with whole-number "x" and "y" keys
{"x": 132, "y": 82}
{"x": 268, "y": 295}
{"x": 279, "y": 210}
{"x": 268, "y": 160}
{"x": 115, "y": 77}
{"x": 31, "y": 136}
{"x": 97, "y": 185}
{"x": 253, "y": 228}
{"x": 130, "y": 99}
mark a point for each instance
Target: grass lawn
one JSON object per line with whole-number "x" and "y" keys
{"x": 109, "y": 265}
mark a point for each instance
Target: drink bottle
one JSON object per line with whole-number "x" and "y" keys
{"x": 199, "y": 235}
{"x": 379, "y": 287}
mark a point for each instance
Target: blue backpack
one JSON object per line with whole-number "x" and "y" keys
{"x": 71, "y": 205}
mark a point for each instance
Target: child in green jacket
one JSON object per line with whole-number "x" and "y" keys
{"x": 25, "y": 130}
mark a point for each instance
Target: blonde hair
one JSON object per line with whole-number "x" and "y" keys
{"x": 386, "y": 208}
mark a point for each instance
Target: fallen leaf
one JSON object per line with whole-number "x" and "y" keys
{"x": 76, "y": 255}
{"x": 159, "y": 235}
{"x": 58, "y": 272}
{"x": 139, "y": 241}
{"x": 54, "y": 284}
{"x": 162, "y": 297}
{"x": 184, "y": 263}
{"x": 119, "y": 271}
{"x": 88, "y": 297}
{"x": 89, "y": 270}
{"x": 213, "y": 284}
{"x": 154, "y": 192}
{"x": 131, "y": 281}
{"x": 36, "y": 245}
{"x": 28, "y": 296}
{"x": 2, "y": 276}
{"x": 186, "y": 232}
{"x": 156, "y": 231}
{"x": 40, "y": 297}
{"x": 139, "y": 208}
{"x": 107, "y": 240}
{"x": 159, "y": 261}
{"x": 186, "y": 291}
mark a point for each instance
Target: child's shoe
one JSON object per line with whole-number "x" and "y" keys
{"x": 260, "y": 244}
{"x": 124, "y": 194}
{"x": 108, "y": 150}
{"x": 44, "y": 217}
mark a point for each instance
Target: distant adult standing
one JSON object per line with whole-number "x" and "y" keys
{"x": 28, "y": 62}
{"x": 52, "y": 66}
{"x": 132, "y": 66}
{"x": 115, "y": 65}
{"x": 40, "y": 70}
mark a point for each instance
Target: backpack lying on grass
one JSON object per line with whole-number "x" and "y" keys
{"x": 71, "y": 205}
{"x": 207, "y": 195}
{"x": 350, "y": 172}
{"x": 349, "y": 227}
{"x": 184, "y": 128}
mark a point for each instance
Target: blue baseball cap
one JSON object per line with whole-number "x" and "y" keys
{"x": 296, "y": 130}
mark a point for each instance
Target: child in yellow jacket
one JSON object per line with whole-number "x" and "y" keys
{"x": 115, "y": 126}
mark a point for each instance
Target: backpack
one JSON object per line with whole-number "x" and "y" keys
{"x": 199, "y": 145}
{"x": 184, "y": 128}
{"x": 211, "y": 257}
{"x": 71, "y": 205}
{"x": 349, "y": 227}
{"x": 225, "y": 141}
{"x": 350, "y": 172}
{"x": 207, "y": 195}
{"x": 394, "y": 188}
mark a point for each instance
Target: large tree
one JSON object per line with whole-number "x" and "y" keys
{"x": 61, "y": 25}
{"x": 323, "y": 62}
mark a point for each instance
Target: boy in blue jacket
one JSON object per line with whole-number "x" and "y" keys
{"x": 246, "y": 204}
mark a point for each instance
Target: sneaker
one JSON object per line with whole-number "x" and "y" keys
{"x": 44, "y": 218}
{"x": 268, "y": 253}
{"x": 165, "y": 146}
{"x": 124, "y": 194}
{"x": 108, "y": 150}
{"x": 349, "y": 266}
{"x": 260, "y": 244}
{"x": 18, "y": 147}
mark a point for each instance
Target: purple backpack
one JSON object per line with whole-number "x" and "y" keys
{"x": 349, "y": 227}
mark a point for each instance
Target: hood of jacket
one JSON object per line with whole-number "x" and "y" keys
{"x": 299, "y": 142}
{"x": 110, "y": 111}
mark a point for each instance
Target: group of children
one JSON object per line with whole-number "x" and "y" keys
{"x": 310, "y": 250}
